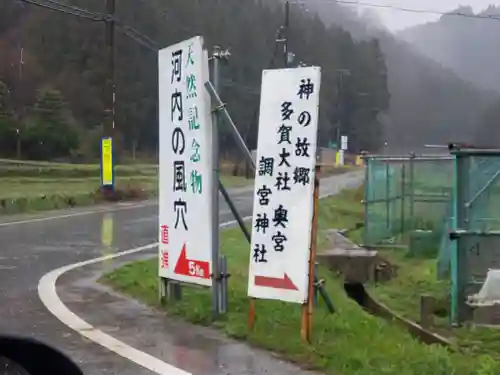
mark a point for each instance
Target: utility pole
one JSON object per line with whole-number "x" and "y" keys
{"x": 282, "y": 36}
{"x": 21, "y": 99}
{"x": 109, "y": 91}
{"x": 20, "y": 96}
{"x": 340, "y": 109}
{"x": 340, "y": 101}
{"x": 286, "y": 33}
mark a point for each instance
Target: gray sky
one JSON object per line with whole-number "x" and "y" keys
{"x": 396, "y": 20}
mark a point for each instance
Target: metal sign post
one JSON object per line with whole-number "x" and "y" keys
{"x": 215, "y": 194}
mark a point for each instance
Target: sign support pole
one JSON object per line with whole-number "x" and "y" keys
{"x": 234, "y": 130}
{"x": 307, "y": 308}
{"x": 215, "y": 191}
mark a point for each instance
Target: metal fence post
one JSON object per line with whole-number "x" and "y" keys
{"x": 387, "y": 199}
{"x": 412, "y": 190}
{"x": 366, "y": 230}
{"x": 463, "y": 223}
{"x": 403, "y": 192}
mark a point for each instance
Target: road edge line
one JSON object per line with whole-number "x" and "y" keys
{"x": 75, "y": 214}
{"x": 47, "y": 293}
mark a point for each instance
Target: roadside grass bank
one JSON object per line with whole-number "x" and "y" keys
{"x": 350, "y": 342}
{"x": 417, "y": 276}
{"x": 30, "y": 186}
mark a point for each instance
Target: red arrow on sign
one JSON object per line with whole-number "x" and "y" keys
{"x": 192, "y": 268}
{"x": 275, "y": 282}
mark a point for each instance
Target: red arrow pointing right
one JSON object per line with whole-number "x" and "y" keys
{"x": 275, "y": 282}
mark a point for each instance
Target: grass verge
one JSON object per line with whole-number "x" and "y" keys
{"x": 27, "y": 186}
{"x": 351, "y": 342}
{"x": 417, "y": 277}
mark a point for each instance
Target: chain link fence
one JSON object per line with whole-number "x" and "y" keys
{"x": 407, "y": 201}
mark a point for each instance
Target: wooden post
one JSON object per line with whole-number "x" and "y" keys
{"x": 307, "y": 308}
{"x": 251, "y": 314}
{"x": 427, "y": 305}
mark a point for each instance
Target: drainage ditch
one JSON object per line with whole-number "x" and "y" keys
{"x": 358, "y": 293}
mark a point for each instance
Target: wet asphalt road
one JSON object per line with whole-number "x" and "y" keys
{"x": 31, "y": 249}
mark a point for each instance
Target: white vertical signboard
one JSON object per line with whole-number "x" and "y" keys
{"x": 343, "y": 142}
{"x": 185, "y": 204}
{"x": 284, "y": 184}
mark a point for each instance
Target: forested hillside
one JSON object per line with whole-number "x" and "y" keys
{"x": 53, "y": 97}
{"x": 469, "y": 46}
{"x": 430, "y": 103}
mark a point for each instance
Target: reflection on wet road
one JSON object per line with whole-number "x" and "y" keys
{"x": 31, "y": 249}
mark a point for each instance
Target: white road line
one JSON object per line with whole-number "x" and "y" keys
{"x": 48, "y": 295}
{"x": 83, "y": 213}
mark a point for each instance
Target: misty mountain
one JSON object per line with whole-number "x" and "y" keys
{"x": 64, "y": 68}
{"x": 430, "y": 103}
{"x": 467, "y": 45}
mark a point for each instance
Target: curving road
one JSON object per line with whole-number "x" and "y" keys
{"x": 34, "y": 246}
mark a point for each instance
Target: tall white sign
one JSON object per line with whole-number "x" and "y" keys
{"x": 284, "y": 184}
{"x": 185, "y": 202}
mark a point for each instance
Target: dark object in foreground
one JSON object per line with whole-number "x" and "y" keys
{"x": 25, "y": 356}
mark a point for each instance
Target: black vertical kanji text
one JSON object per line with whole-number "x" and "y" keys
{"x": 261, "y": 223}
{"x": 264, "y": 192}
{"x": 306, "y": 88}
{"x": 282, "y": 181}
{"x": 176, "y": 66}
{"x": 279, "y": 240}
{"x": 180, "y": 208}
{"x": 176, "y": 104}
{"x": 178, "y": 141}
{"x": 259, "y": 253}
{"x": 284, "y": 155}
{"x": 266, "y": 166}
{"x": 280, "y": 216}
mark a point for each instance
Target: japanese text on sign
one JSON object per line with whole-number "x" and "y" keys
{"x": 284, "y": 183}
{"x": 185, "y": 163}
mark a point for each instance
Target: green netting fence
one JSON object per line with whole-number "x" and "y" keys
{"x": 474, "y": 247}
{"x": 407, "y": 201}
{"x": 446, "y": 207}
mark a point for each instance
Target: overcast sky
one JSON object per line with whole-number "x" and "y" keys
{"x": 396, "y": 20}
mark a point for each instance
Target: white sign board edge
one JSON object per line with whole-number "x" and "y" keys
{"x": 279, "y": 86}
{"x": 198, "y": 238}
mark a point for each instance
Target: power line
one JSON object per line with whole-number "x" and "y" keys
{"x": 80, "y": 12}
{"x": 412, "y": 10}
{"x": 56, "y": 6}
{"x": 138, "y": 36}
{"x": 139, "y": 39}
{"x": 73, "y": 8}
{"x": 130, "y": 32}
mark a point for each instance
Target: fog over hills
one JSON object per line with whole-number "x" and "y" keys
{"x": 467, "y": 45}
{"x": 439, "y": 90}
